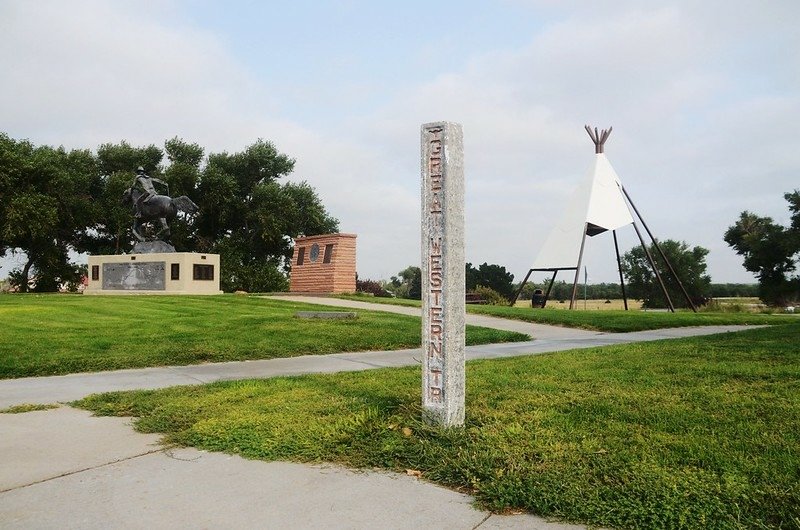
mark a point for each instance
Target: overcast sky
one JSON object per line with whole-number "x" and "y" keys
{"x": 702, "y": 97}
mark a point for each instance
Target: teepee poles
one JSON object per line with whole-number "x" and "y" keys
{"x": 549, "y": 288}
{"x": 653, "y": 266}
{"x": 599, "y": 139}
{"x": 521, "y": 287}
{"x": 660, "y": 251}
{"x": 607, "y": 209}
{"x": 619, "y": 267}
{"x": 578, "y": 269}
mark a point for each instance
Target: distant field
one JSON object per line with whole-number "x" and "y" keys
{"x": 745, "y": 304}
{"x": 623, "y": 321}
{"x": 610, "y": 319}
{"x": 739, "y": 300}
{"x": 589, "y": 305}
{"x": 554, "y": 304}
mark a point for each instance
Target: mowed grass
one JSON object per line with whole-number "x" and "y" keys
{"x": 60, "y": 334}
{"x": 613, "y": 321}
{"x": 28, "y": 407}
{"x": 359, "y": 297}
{"x": 690, "y": 433}
{"x": 625, "y": 321}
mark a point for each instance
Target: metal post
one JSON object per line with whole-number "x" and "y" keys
{"x": 655, "y": 269}
{"x": 547, "y": 294}
{"x": 658, "y": 247}
{"x": 619, "y": 267}
{"x": 585, "y": 280}
{"x": 521, "y": 287}
{"x": 578, "y": 269}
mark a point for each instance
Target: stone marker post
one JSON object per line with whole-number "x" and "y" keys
{"x": 443, "y": 273}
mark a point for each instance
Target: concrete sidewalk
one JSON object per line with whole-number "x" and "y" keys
{"x": 63, "y": 468}
{"x": 537, "y": 331}
{"x": 65, "y": 388}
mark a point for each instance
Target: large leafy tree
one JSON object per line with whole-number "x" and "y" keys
{"x": 109, "y": 230}
{"x": 53, "y": 201}
{"x": 769, "y": 251}
{"x": 45, "y": 205}
{"x": 493, "y": 276}
{"x": 182, "y": 175}
{"x": 250, "y": 219}
{"x": 408, "y": 283}
{"x": 111, "y": 233}
{"x": 246, "y": 215}
{"x": 688, "y": 263}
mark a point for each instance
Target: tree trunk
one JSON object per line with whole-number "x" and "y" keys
{"x": 24, "y": 288}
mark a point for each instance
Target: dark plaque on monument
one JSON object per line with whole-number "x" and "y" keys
{"x": 135, "y": 276}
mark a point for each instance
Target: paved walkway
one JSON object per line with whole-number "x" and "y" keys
{"x": 65, "y": 388}
{"x": 538, "y": 331}
{"x": 64, "y": 468}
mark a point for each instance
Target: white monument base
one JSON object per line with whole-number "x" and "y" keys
{"x": 154, "y": 273}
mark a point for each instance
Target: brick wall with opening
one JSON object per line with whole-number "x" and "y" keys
{"x": 324, "y": 264}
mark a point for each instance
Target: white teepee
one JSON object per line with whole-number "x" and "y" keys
{"x": 596, "y": 205}
{"x": 599, "y": 204}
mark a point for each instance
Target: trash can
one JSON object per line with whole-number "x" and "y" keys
{"x": 537, "y": 300}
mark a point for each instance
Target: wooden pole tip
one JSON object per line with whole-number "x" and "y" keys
{"x": 598, "y": 138}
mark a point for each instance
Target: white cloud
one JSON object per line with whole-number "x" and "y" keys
{"x": 701, "y": 121}
{"x": 83, "y": 73}
{"x": 92, "y": 72}
{"x": 691, "y": 162}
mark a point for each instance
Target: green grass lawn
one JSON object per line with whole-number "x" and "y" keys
{"x": 691, "y": 433}
{"x": 28, "y": 407}
{"x": 379, "y": 300}
{"x": 624, "y": 321}
{"x": 60, "y": 334}
{"x": 610, "y": 321}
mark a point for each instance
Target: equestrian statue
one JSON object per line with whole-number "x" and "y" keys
{"x": 148, "y": 206}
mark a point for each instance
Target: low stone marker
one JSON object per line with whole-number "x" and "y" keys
{"x": 326, "y": 314}
{"x": 443, "y": 300}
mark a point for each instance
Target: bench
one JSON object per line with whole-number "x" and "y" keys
{"x": 472, "y": 298}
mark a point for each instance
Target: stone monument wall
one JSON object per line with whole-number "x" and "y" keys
{"x": 154, "y": 273}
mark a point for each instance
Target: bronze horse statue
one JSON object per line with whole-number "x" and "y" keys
{"x": 161, "y": 208}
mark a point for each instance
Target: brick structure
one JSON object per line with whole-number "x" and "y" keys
{"x": 324, "y": 264}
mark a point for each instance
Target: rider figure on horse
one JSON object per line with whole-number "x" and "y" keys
{"x": 146, "y": 184}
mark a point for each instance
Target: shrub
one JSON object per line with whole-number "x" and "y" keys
{"x": 491, "y": 296}
{"x": 717, "y": 306}
{"x": 372, "y": 287}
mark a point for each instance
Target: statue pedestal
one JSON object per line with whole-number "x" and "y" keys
{"x": 154, "y": 273}
{"x": 152, "y": 247}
